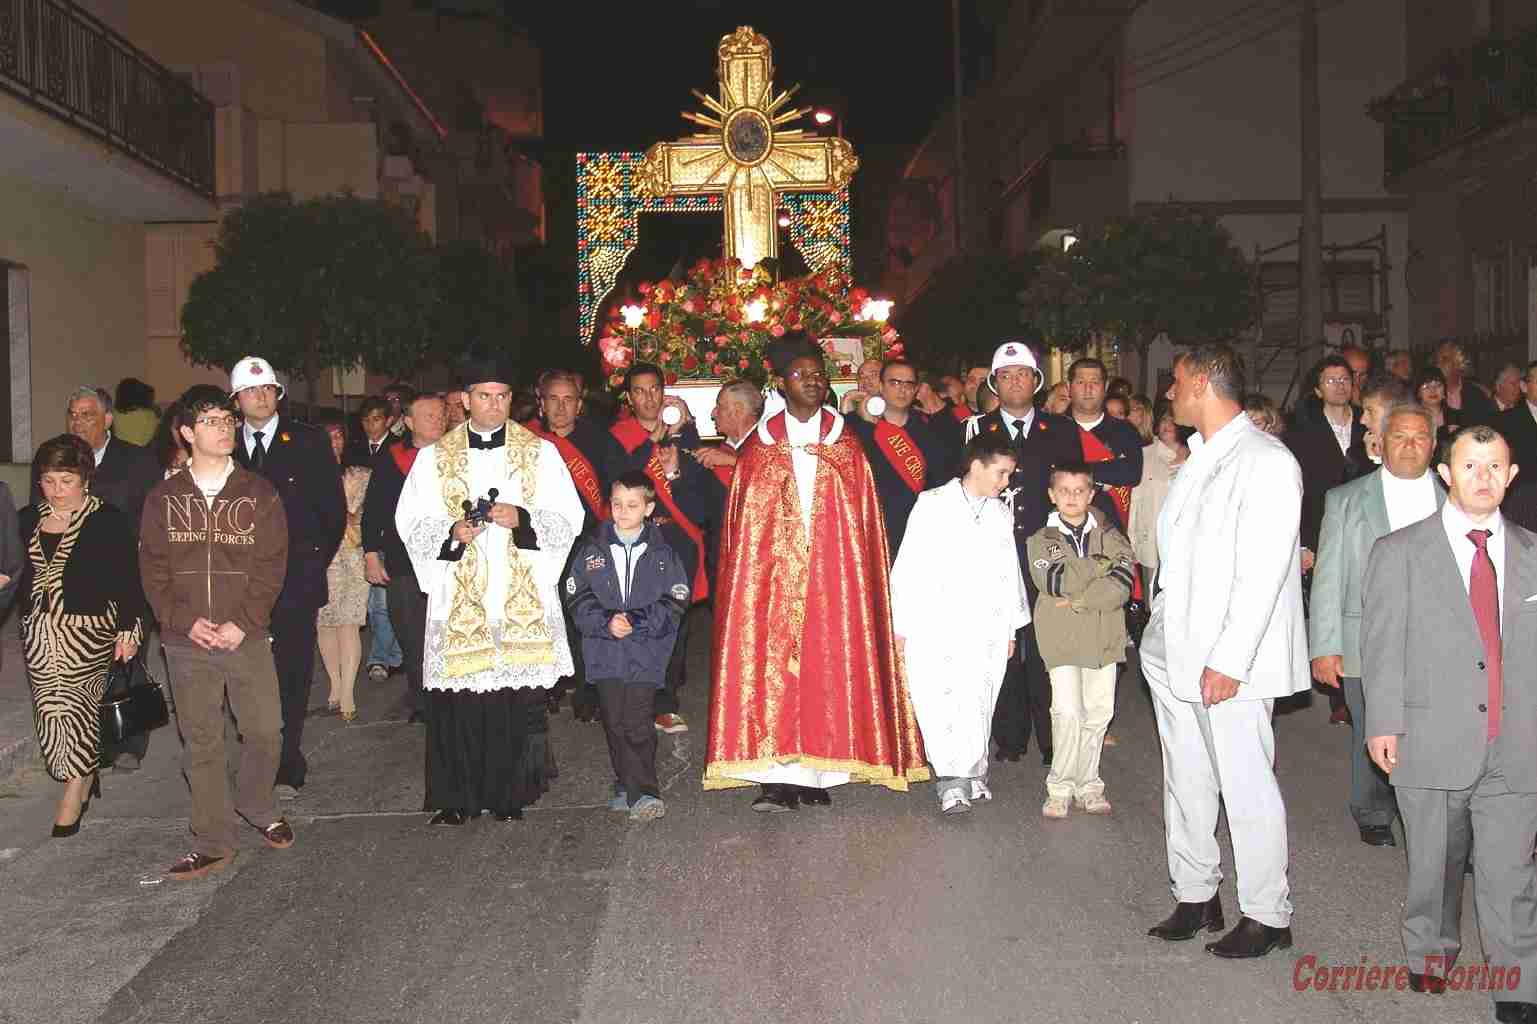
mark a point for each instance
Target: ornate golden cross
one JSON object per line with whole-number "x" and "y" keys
{"x": 747, "y": 155}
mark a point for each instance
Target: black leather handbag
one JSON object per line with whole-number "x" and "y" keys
{"x": 133, "y": 704}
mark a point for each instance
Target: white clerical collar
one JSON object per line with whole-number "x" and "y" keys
{"x": 737, "y": 444}
{"x": 484, "y": 435}
{"x": 1090, "y": 426}
{"x": 796, "y": 432}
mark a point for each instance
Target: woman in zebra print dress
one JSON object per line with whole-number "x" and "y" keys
{"x": 82, "y": 607}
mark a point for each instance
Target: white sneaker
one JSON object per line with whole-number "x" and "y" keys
{"x": 1054, "y": 807}
{"x": 1094, "y": 803}
{"x": 647, "y": 808}
{"x": 954, "y": 802}
{"x": 979, "y": 790}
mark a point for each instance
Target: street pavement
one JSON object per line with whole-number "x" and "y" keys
{"x": 876, "y": 910}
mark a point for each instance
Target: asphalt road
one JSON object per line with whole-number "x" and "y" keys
{"x": 876, "y": 910}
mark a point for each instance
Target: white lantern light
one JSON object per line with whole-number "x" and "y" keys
{"x": 755, "y": 310}
{"x": 634, "y": 316}
{"x": 876, "y": 309}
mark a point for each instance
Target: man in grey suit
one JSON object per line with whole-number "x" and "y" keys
{"x": 1356, "y": 514}
{"x": 1449, "y": 642}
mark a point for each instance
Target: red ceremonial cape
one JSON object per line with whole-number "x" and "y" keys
{"x": 632, "y": 435}
{"x": 903, "y": 454}
{"x": 805, "y": 666}
{"x": 579, "y": 466}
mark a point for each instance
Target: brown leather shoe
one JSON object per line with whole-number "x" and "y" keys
{"x": 279, "y": 835}
{"x": 196, "y": 865}
{"x": 1189, "y": 920}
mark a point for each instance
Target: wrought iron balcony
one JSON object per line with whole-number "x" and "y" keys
{"x": 1462, "y": 97}
{"x": 58, "y": 58}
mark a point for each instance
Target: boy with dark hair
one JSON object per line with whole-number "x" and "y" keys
{"x": 213, "y": 548}
{"x": 1082, "y": 566}
{"x": 627, "y": 592}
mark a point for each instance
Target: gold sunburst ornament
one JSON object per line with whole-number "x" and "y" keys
{"x": 747, "y": 155}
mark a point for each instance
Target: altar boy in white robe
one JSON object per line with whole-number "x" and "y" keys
{"x": 496, "y": 636}
{"x": 956, "y": 647}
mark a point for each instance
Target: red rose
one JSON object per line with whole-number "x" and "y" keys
{"x": 690, "y": 363}
{"x": 721, "y": 341}
{"x": 709, "y": 357}
{"x": 777, "y": 330}
{"x": 654, "y": 319}
{"x": 671, "y": 378}
{"x": 743, "y": 363}
{"x": 712, "y": 327}
{"x": 645, "y": 288}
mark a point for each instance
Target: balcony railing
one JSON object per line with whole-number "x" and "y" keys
{"x": 60, "y": 59}
{"x": 1464, "y": 95}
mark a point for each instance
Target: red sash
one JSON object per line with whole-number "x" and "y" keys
{"x": 725, "y": 474}
{"x": 961, "y": 412}
{"x": 632, "y": 435}
{"x": 1095, "y": 450}
{"x": 580, "y": 467}
{"x": 404, "y": 456}
{"x": 903, "y": 454}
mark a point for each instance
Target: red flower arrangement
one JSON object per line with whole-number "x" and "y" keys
{"x": 720, "y": 320}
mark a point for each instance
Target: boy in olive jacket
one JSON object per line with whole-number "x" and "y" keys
{"x": 1082, "y": 567}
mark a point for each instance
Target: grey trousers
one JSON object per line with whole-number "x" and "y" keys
{"x": 1371, "y": 795}
{"x": 1501, "y": 827}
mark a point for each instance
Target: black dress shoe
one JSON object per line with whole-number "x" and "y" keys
{"x": 516, "y": 815}
{"x": 1189, "y": 919}
{"x": 1249, "y": 939}
{"x": 450, "y": 817}
{"x": 776, "y": 800}
{"x": 1429, "y": 984}
{"x": 810, "y": 797}
{"x": 1507, "y": 1012}
{"x": 1046, "y": 759}
{"x": 1378, "y": 835}
{"x": 417, "y": 718}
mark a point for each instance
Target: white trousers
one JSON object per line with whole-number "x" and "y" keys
{"x": 1222, "y": 754}
{"x": 1082, "y": 704}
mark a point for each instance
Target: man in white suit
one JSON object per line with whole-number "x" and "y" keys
{"x": 1226, "y": 639}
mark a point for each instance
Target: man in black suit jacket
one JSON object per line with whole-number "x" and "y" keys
{"x": 1518, "y": 424}
{"x": 1040, "y": 440}
{"x": 296, "y": 459}
{"x": 374, "y": 418}
{"x": 1315, "y": 443}
{"x": 125, "y": 474}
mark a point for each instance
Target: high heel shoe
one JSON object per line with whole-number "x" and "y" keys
{"x": 65, "y": 831}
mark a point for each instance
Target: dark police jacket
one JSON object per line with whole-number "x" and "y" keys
{"x": 1051, "y": 440}
{"x": 300, "y": 465}
{"x": 658, "y": 596}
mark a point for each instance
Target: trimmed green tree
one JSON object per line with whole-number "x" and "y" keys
{"x": 336, "y": 281}
{"x": 1169, "y": 271}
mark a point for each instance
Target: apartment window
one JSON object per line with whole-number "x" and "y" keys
{"x": 1500, "y": 290}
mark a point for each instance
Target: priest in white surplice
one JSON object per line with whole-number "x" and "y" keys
{"x": 957, "y": 644}
{"x": 496, "y": 636}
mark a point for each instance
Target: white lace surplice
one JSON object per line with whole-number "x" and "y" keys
{"x": 424, "y": 524}
{"x": 957, "y": 636}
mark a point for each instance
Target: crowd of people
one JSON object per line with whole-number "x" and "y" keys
{"x": 509, "y": 551}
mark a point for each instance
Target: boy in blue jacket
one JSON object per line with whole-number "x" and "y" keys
{"x": 627, "y": 592}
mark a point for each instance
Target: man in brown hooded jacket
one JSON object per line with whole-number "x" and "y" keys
{"x": 213, "y": 548}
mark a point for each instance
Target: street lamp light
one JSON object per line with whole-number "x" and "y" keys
{"x": 784, "y": 219}
{"x": 824, "y": 116}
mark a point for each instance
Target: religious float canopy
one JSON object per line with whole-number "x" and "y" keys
{"x": 717, "y": 321}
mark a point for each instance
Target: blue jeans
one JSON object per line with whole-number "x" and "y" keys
{"x": 383, "y": 649}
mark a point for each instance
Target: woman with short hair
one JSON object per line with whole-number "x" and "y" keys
{"x": 82, "y": 609}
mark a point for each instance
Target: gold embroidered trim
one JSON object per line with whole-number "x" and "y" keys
{"x": 468, "y": 646}
{"x": 719, "y": 775}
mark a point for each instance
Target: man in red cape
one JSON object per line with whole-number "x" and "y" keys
{"x": 809, "y": 691}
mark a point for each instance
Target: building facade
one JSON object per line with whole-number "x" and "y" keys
{"x": 1097, "y": 111}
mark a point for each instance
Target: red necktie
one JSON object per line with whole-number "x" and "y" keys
{"x": 1484, "y": 593}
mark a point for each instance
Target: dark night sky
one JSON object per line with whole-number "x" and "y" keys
{"x": 620, "y": 81}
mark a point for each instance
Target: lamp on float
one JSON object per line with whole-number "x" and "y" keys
{"x": 784, "y": 220}
{"x": 824, "y": 116}
{"x": 633, "y": 315}
{"x": 876, "y": 309}
{"x": 755, "y": 310}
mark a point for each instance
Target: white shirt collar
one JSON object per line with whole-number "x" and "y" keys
{"x": 1025, "y": 421}
{"x": 797, "y": 432}
{"x": 103, "y": 449}
{"x": 1458, "y": 524}
{"x": 269, "y": 431}
{"x": 1054, "y": 520}
{"x": 213, "y": 486}
{"x": 1090, "y": 426}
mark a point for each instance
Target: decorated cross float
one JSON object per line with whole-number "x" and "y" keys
{"x": 715, "y": 325}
